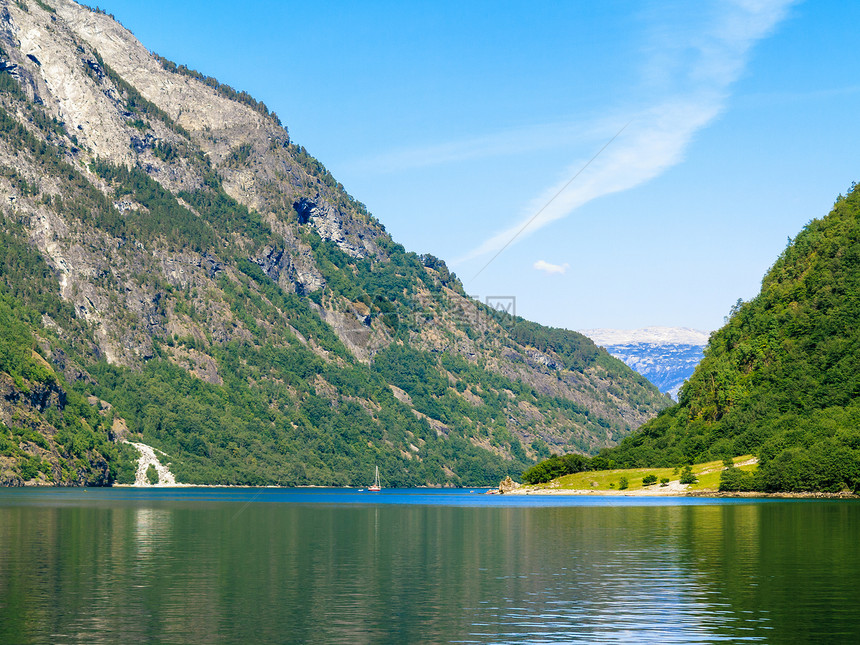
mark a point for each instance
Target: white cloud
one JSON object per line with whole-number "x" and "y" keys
{"x": 694, "y": 88}
{"x": 514, "y": 141}
{"x": 541, "y": 265}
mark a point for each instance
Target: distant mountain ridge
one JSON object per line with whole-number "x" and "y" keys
{"x": 650, "y": 335}
{"x": 666, "y": 356}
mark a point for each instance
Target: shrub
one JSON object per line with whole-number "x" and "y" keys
{"x": 735, "y": 479}
{"x": 152, "y": 475}
{"x": 29, "y": 468}
{"x": 687, "y": 476}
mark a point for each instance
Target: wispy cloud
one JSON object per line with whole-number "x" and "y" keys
{"x": 513, "y": 141}
{"x": 692, "y": 70}
{"x": 542, "y": 265}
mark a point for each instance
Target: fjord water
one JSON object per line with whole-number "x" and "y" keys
{"x": 273, "y": 566}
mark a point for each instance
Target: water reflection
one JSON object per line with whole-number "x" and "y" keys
{"x": 152, "y": 528}
{"x": 625, "y": 578}
{"x": 284, "y": 573}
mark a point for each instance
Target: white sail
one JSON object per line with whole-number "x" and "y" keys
{"x": 376, "y": 486}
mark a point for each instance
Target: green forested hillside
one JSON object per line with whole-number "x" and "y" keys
{"x": 48, "y": 433}
{"x": 782, "y": 378}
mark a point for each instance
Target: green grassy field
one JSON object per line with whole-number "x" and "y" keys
{"x": 708, "y": 475}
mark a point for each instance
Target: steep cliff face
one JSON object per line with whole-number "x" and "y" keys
{"x": 207, "y": 277}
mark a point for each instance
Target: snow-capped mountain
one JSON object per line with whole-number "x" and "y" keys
{"x": 666, "y": 356}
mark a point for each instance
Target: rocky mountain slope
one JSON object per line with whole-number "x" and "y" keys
{"x": 205, "y": 286}
{"x": 666, "y": 356}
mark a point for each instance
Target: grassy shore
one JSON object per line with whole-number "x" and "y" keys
{"x": 609, "y": 482}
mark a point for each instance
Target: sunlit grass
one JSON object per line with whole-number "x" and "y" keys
{"x": 707, "y": 473}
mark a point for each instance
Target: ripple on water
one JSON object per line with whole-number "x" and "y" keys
{"x": 93, "y": 568}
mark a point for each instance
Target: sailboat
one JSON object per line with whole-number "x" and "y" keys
{"x": 375, "y": 487}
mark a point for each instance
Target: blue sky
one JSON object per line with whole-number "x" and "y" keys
{"x": 470, "y": 128}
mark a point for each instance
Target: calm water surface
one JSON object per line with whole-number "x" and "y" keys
{"x": 333, "y": 566}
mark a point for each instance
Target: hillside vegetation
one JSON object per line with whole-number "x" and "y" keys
{"x": 706, "y": 477}
{"x": 48, "y": 433}
{"x": 180, "y": 273}
{"x": 782, "y": 378}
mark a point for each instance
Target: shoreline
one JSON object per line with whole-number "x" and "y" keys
{"x": 521, "y": 491}
{"x": 649, "y": 492}
{"x": 486, "y": 489}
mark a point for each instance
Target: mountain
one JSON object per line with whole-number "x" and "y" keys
{"x": 174, "y": 270}
{"x": 782, "y": 377}
{"x": 666, "y": 356}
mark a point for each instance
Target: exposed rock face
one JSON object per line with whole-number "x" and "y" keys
{"x": 291, "y": 267}
{"x": 329, "y": 223}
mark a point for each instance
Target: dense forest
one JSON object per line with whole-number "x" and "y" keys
{"x": 781, "y": 379}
